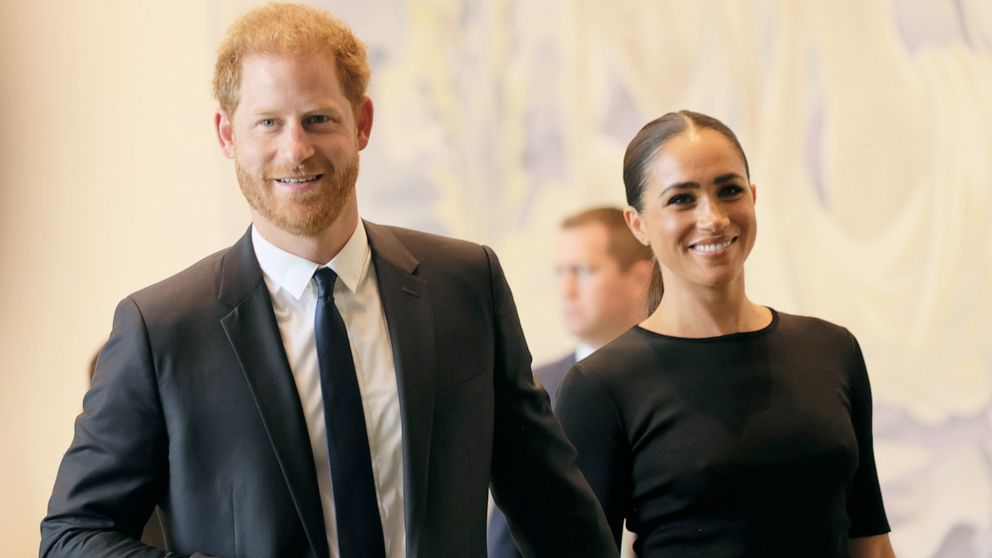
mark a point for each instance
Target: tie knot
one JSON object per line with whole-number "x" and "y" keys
{"x": 325, "y": 278}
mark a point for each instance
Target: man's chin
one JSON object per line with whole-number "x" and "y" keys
{"x": 297, "y": 224}
{"x": 306, "y": 215}
{"x": 578, "y": 331}
{"x": 306, "y": 227}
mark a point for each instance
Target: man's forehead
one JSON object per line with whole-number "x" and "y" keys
{"x": 268, "y": 79}
{"x": 592, "y": 232}
{"x": 586, "y": 241}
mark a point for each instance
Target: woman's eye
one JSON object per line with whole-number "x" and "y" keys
{"x": 680, "y": 199}
{"x": 731, "y": 190}
{"x": 268, "y": 122}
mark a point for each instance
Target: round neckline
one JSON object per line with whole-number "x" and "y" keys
{"x": 726, "y": 337}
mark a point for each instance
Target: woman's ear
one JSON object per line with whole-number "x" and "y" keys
{"x": 636, "y": 224}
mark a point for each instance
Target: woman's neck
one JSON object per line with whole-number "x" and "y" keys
{"x": 695, "y": 311}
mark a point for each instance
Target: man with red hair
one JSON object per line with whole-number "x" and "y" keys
{"x": 326, "y": 386}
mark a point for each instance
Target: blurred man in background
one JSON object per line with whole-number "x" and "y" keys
{"x": 604, "y": 275}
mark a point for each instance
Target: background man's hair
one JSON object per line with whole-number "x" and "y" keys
{"x": 621, "y": 244}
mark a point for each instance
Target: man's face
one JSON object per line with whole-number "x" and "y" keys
{"x": 599, "y": 301}
{"x": 295, "y": 140}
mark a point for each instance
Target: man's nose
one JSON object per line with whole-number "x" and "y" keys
{"x": 568, "y": 285}
{"x": 296, "y": 145}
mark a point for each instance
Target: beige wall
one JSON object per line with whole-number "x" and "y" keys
{"x": 110, "y": 180}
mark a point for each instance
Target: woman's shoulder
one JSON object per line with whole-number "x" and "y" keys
{"x": 605, "y": 380}
{"x": 794, "y": 324}
{"x": 626, "y": 355}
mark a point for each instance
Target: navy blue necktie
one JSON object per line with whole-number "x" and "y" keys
{"x": 359, "y": 526}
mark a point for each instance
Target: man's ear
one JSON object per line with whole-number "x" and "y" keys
{"x": 363, "y": 122}
{"x": 225, "y": 133}
{"x": 636, "y": 224}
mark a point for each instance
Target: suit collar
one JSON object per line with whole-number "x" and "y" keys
{"x": 292, "y": 273}
{"x": 282, "y": 270}
{"x": 388, "y": 247}
{"x": 240, "y": 274}
{"x": 254, "y": 336}
{"x": 406, "y": 301}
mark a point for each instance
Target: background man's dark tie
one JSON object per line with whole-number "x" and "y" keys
{"x": 355, "y": 502}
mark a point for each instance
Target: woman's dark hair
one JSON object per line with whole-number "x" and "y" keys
{"x": 656, "y": 287}
{"x": 642, "y": 150}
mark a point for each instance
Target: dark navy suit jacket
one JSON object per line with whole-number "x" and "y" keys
{"x": 194, "y": 409}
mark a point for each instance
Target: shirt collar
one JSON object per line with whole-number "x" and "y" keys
{"x": 352, "y": 262}
{"x": 583, "y": 350}
{"x": 292, "y": 273}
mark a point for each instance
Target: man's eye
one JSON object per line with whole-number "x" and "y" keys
{"x": 680, "y": 199}
{"x": 318, "y": 119}
{"x": 267, "y": 122}
{"x": 584, "y": 271}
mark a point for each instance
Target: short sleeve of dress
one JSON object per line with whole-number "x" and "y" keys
{"x": 864, "y": 504}
{"x": 590, "y": 418}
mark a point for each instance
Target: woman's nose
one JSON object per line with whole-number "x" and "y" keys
{"x": 711, "y": 215}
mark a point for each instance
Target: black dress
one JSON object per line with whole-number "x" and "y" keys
{"x": 750, "y": 444}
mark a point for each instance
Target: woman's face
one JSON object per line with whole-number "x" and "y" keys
{"x": 697, "y": 210}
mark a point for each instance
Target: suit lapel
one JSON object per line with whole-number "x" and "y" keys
{"x": 254, "y": 335}
{"x": 410, "y": 318}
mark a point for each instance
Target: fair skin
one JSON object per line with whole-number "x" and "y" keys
{"x": 878, "y": 546}
{"x": 698, "y": 217}
{"x": 295, "y": 139}
{"x": 599, "y": 300}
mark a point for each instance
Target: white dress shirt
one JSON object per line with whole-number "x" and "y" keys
{"x": 583, "y": 350}
{"x": 289, "y": 279}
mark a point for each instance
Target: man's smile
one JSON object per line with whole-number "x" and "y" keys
{"x": 299, "y": 179}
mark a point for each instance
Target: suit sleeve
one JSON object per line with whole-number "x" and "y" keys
{"x": 116, "y": 467}
{"x": 592, "y": 422}
{"x": 864, "y": 504}
{"x": 549, "y": 507}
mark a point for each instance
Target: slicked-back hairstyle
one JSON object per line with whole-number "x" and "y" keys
{"x": 621, "y": 244}
{"x": 280, "y": 28}
{"x": 646, "y": 145}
